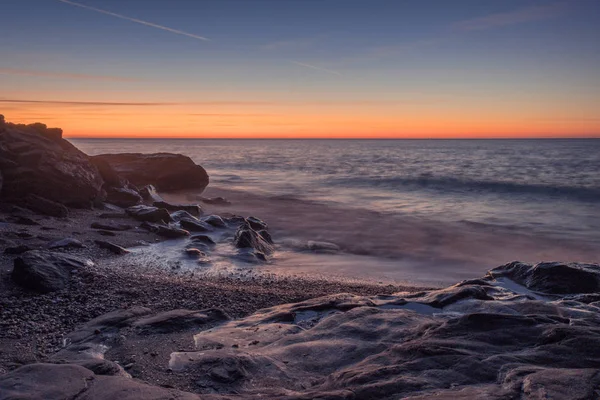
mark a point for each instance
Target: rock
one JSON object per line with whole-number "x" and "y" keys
{"x": 194, "y": 225}
{"x": 111, "y": 227}
{"x": 37, "y": 161}
{"x": 45, "y": 271}
{"x": 256, "y": 223}
{"x": 202, "y": 239}
{"x": 67, "y": 243}
{"x": 109, "y": 175}
{"x": 247, "y": 237}
{"x": 149, "y": 214}
{"x": 170, "y": 232}
{"x": 219, "y": 201}
{"x": 168, "y": 172}
{"x": 116, "y": 249}
{"x": 194, "y": 252}
{"x": 179, "y": 320}
{"x": 179, "y": 215}
{"x": 22, "y": 220}
{"x": 215, "y": 221}
{"x": 123, "y": 197}
{"x": 106, "y": 233}
{"x": 192, "y": 209}
{"x": 46, "y": 207}
{"x": 322, "y": 247}
{"x": 552, "y": 277}
{"x": 20, "y": 249}
{"x": 149, "y": 193}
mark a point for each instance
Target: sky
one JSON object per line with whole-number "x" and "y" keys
{"x": 303, "y": 68}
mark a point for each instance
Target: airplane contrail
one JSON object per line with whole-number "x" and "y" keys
{"x": 316, "y": 68}
{"x": 138, "y": 21}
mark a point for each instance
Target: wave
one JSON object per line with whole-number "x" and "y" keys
{"x": 464, "y": 186}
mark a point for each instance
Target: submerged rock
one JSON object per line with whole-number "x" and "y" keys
{"x": 195, "y": 225}
{"x": 46, "y": 271}
{"x": 166, "y": 171}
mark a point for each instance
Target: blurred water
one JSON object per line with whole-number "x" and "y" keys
{"x": 544, "y": 187}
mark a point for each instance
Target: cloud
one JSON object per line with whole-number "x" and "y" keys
{"x": 137, "y": 21}
{"x": 82, "y": 103}
{"x": 62, "y": 75}
{"x": 329, "y": 71}
{"x": 229, "y": 115}
{"x": 515, "y": 17}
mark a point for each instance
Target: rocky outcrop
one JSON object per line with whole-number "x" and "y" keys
{"x": 46, "y": 271}
{"x": 166, "y": 171}
{"x": 253, "y": 234}
{"x": 35, "y": 160}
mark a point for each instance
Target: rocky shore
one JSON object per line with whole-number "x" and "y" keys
{"x": 81, "y": 317}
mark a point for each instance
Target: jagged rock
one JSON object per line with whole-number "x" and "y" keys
{"x": 66, "y": 244}
{"x": 149, "y": 214}
{"x": 149, "y": 193}
{"x": 215, "y": 221}
{"x": 46, "y": 207}
{"x": 45, "y": 271}
{"x": 247, "y": 237}
{"x": 552, "y": 277}
{"x": 256, "y": 223}
{"x": 111, "y": 227}
{"x": 114, "y": 248}
{"x": 192, "y": 209}
{"x": 37, "y": 161}
{"x": 123, "y": 197}
{"x": 168, "y": 172}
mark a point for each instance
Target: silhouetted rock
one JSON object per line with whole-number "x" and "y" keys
{"x": 46, "y": 271}
{"x": 46, "y": 207}
{"x": 166, "y": 171}
{"x": 123, "y": 197}
{"x": 36, "y": 160}
{"x": 149, "y": 214}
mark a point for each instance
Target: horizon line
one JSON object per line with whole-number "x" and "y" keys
{"x": 596, "y": 137}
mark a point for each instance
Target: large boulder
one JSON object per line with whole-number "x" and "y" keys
{"x": 35, "y": 160}
{"x": 166, "y": 171}
{"x": 46, "y": 271}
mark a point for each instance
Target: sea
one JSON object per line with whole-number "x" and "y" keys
{"x": 426, "y": 211}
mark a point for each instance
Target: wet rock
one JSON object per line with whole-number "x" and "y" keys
{"x": 192, "y": 209}
{"x": 322, "y": 247}
{"x": 150, "y": 194}
{"x": 111, "y": 227}
{"x": 113, "y": 248}
{"x": 46, "y": 207}
{"x": 37, "y": 161}
{"x": 552, "y": 277}
{"x": 168, "y": 172}
{"x": 256, "y": 223}
{"x": 149, "y": 214}
{"x": 45, "y": 271}
{"x": 194, "y": 252}
{"x": 167, "y": 231}
{"x": 247, "y": 237}
{"x": 215, "y": 220}
{"x": 123, "y": 197}
{"x": 180, "y": 320}
{"x": 67, "y": 243}
{"x": 194, "y": 225}
{"x": 181, "y": 214}
{"x": 202, "y": 239}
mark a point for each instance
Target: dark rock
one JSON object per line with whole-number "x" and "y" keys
{"x": 149, "y": 193}
{"x": 215, "y": 221}
{"x": 168, "y": 172}
{"x": 203, "y": 239}
{"x": 123, "y": 197}
{"x": 20, "y": 249}
{"x": 116, "y": 249}
{"x": 106, "y": 233}
{"x": 45, "y": 271}
{"x": 194, "y": 252}
{"x": 322, "y": 247}
{"x": 111, "y": 227}
{"x": 37, "y": 161}
{"x": 46, "y": 207}
{"x": 66, "y": 244}
{"x": 149, "y": 214}
{"x": 195, "y": 225}
{"x": 22, "y": 220}
{"x": 193, "y": 209}
{"x": 179, "y": 215}
{"x": 552, "y": 277}
{"x": 114, "y": 215}
{"x": 109, "y": 175}
{"x": 247, "y": 237}
{"x": 170, "y": 232}
{"x": 180, "y": 320}
{"x": 256, "y": 223}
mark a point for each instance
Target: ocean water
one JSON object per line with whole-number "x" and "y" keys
{"x": 467, "y": 202}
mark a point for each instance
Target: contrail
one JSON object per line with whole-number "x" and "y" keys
{"x": 317, "y": 68}
{"x": 138, "y": 21}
